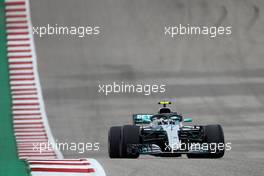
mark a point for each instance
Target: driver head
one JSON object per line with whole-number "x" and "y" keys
{"x": 164, "y": 110}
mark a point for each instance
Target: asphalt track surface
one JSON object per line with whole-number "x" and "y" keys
{"x": 217, "y": 80}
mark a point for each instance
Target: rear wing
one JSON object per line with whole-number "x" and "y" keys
{"x": 141, "y": 118}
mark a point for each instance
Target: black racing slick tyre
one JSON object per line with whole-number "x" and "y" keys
{"x": 214, "y": 137}
{"x": 129, "y": 141}
{"x": 114, "y": 137}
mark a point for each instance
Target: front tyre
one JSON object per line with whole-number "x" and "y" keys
{"x": 214, "y": 137}
{"x": 114, "y": 137}
{"x": 129, "y": 141}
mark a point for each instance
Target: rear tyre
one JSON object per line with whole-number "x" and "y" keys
{"x": 214, "y": 137}
{"x": 114, "y": 137}
{"x": 129, "y": 141}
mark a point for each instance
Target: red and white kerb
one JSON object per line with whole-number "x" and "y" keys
{"x": 29, "y": 117}
{"x": 27, "y": 108}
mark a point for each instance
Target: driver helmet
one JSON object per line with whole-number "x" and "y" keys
{"x": 164, "y": 110}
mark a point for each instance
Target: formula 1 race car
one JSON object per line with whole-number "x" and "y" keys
{"x": 165, "y": 135}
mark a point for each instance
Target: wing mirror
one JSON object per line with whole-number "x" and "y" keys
{"x": 187, "y": 120}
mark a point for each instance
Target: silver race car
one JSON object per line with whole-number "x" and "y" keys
{"x": 166, "y": 135}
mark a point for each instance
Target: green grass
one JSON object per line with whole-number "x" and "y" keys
{"x": 10, "y": 165}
